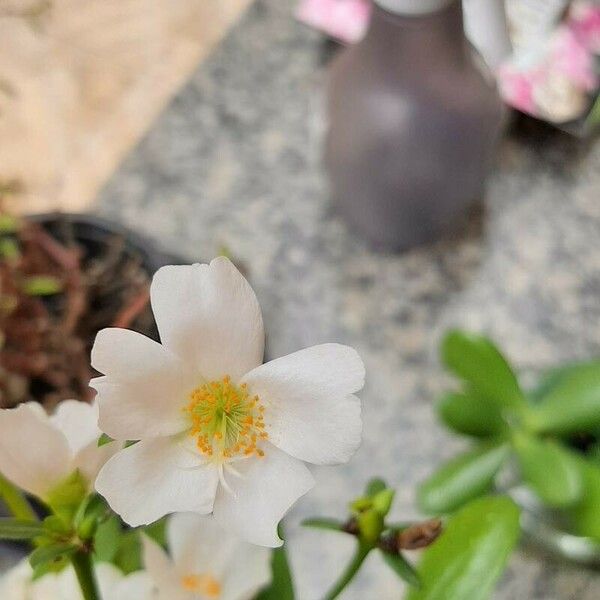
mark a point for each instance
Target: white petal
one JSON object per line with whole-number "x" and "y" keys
{"x": 153, "y": 478}
{"x": 79, "y": 423}
{"x": 16, "y": 583}
{"x": 92, "y": 458}
{"x": 162, "y": 571}
{"x": 145, "y": 388}
{"x": 311, "y": 411}
{"x": 115, "y": 586}
{"x": 209, "y": 315}
{"x": 198, "y": 544}
{"x": 126, "y": 355}
{"x": 269, "y": 486}
{"x": 33, "y": 454}
{"x": 251, "y": 572}
{"x": 52, "y": 586}
{"x": 149, "y": 409}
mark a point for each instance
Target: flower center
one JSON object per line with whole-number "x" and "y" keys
{"x": 205, "y": 585}
{"x": 226, "y": 421}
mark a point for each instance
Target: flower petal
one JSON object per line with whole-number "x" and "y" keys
{"x": 156, "y": 477}
{"x": 198, "y": 544}
{"x": 126, "y": 355}
{"x": 33, "y": 453}
{"x": 209, "y": 315}
{"x": 311, "y": 411}
{"x": 162, "y": 571}
{"x": 92, "y": 458}
{"x": 144, "y": 389}
{"x": 79, "y": 423}
{"x": 252, "y": 572}
{"x": 130, "y": 411}
{"x": 259, "y": 499}
{"x": 16, "y": 583}
{"x": 115, "y": 586}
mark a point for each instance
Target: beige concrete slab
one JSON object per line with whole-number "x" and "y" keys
{"x": 81, "y": 81}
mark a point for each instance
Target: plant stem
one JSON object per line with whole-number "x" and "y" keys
{"x": 15, "y": 501}
{"x": 82, "y": 563}
{"x": 361, "y": 553}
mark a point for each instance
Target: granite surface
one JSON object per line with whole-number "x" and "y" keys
{"x": 235, "y": 161}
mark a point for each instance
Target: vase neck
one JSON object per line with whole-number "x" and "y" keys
{"x": 434, "y": 38}
{"x": 412, "y": 7}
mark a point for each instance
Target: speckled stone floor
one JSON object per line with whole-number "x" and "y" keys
{"x": 235, "y": 160}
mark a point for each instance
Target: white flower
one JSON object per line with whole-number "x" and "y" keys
{"x": 38, "y": 452}
{"x": 220, "y": 432}
{"x": 205, "y": 562}
{"x": 17, "y": 584}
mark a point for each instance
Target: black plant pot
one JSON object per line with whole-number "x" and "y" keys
{"x": 93, "y": 234}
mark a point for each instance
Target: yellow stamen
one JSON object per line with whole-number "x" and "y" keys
{"x": 226, "y": 421}
{"x": 206, "y": 585}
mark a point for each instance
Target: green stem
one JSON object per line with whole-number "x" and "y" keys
{"x": 16, "y": 501}
{"x": 362, "y": 551}
{"x": 82, "y": 563}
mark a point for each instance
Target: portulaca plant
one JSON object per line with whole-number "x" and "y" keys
{"x": 218, "y": 431}
{"x": 173, "y": 484}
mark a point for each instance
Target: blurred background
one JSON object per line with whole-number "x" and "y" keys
{"x": 377, "y": 182}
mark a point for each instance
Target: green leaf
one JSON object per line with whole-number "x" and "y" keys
{"x": 9, "y": 224}
{"x": 463, "y": 478}
{"x": 104, "y": 439}
{"x": 375, "y": 486}
{"x": 41, "y": 285}
{"x": 476, "y": 360}
{"x": 585, "y": 515}
{"x": 471, "y": 554}
{"x": 572, "y": 403}
{"x": 15, "y": 500}
{"x": 324, "y": 523}
{"x": 50, "y": 554}
{"x": 19, "y": 529}
{"x": 549, "y": 469}
{"x": 593, "y": 118}
{"x": 157, "y": 531}
{"x": 470, "y": 414}
{"x": 403, "y": 568}
{"x": 56, "y": 526}
{"x": 129, "y": 554}
{"x": 95, "y": 507}
{"x": 107, "y": 540}
{"x": 66, "y": 497}
{"x": 282, "y": 585}
{"x": 9, "y": 249}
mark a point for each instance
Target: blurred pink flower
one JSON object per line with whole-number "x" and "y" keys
{"x": 569, "y": 57}
{"x": 345, "y": 20}
{"x": 516, "y": 88}
{"x": 585, "y": 23}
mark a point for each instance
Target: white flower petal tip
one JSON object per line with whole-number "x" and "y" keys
{"x": 38, "y": 452}
{"x": 260, "y": 499}
{"x": 210, "y": 316}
